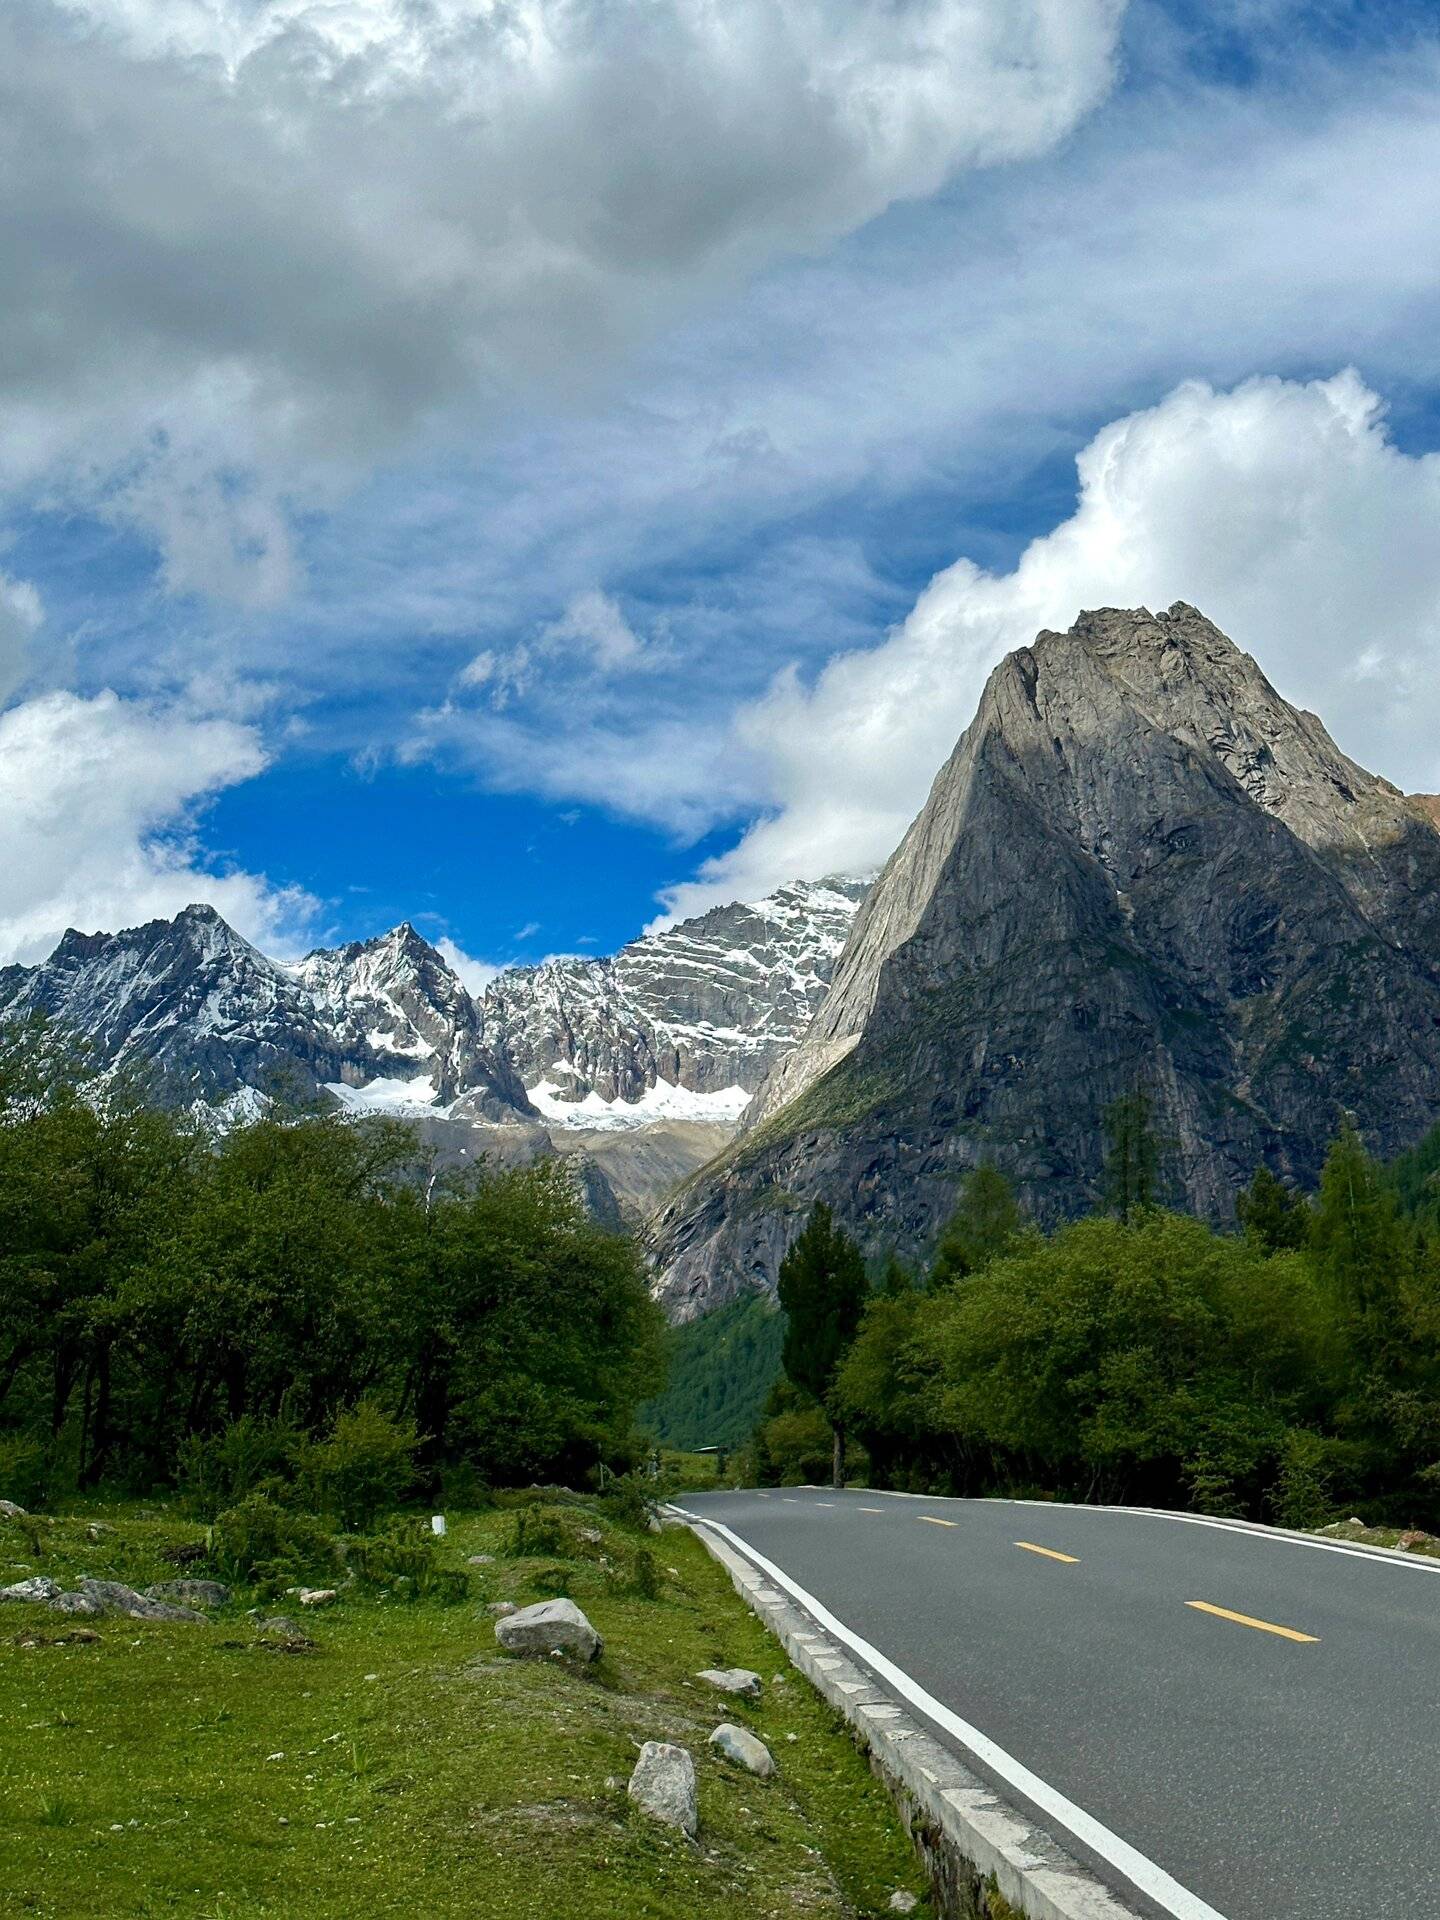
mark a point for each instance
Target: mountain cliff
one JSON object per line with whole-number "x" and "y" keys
{"x": 1140, "y": 866}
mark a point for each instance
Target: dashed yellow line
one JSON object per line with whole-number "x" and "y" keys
{"x": 931, "y": 1521}
{"x": 1070, "y": 1559}
{"x": 1261, "y": 1626}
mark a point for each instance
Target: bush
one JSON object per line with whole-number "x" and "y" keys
{"x": 630, "y": 1498}
{"x": 562, "y": 1531}
{"x": 261, "y": 1544}
{"x": 365, "y": 1465}
{"x": 249, "y": 1455}
{"x": 405, "y": 1562}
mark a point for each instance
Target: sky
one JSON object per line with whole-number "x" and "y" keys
{"x": 537, "y": 467}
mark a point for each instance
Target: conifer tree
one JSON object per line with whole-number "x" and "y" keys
{"x": 984, "y": 1227}
{"x": 1132, "y": 1162}
{"x": 1268, "y": 1211}
{"x": 822, "y": 1288}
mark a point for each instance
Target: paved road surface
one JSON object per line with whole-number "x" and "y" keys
{"x": 1276, "y": 1775}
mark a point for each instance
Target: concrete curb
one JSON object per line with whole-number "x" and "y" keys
{"x": 967, "y": 1835}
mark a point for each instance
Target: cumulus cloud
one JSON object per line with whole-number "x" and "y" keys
{"x": 474, "y": 975}
{"x": 1282, "y": 509}
{"x": 99, "y": 797}
{"x": 251, "y": 246}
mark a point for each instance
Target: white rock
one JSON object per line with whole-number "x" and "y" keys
{"x": 741, "y": 1746}
{"x": 501, "y": 1609}
{"x": 9, "y": 1510}
{"x": 551, "y": 1626}
{"x": 317, "y": 1596}
{"x": 737, "y": 1680}
{"x": 481, "y": 1560}
{"x": 663, "y": 1785}
{"x": 40, "y": 1587}
{"x": 902, "y": 1902}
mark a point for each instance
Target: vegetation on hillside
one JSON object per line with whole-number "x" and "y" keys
{"x": 720, "y": 1369}
{"x": 1284, "y": 1371}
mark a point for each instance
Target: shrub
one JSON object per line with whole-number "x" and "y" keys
{"x": 562, "y": 1531}
{"x": 405, "y": 1561}
{"x": 365, "y": 1465}
{"x": 249, "y": 1455}
{"x": 260, "y": 1543}
{"x": 630, "y": 1498}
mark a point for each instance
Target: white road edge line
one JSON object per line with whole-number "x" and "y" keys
{"x": 1133, "y": 1865}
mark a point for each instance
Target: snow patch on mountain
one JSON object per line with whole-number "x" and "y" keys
{"x": 659, "y": 1101}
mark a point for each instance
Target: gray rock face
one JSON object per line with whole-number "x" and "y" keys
{"x": 1140, "y": 865}
{"x": 709, "y": 1004}
{"x": 736, "y": 1680}
{"x": 742, "y": 1746}
{"x": 36, "y": 1590}
{"x": 191, "y": 1593}
{"x": 663, "y": 1785}
{"x": 550, "y": 1626}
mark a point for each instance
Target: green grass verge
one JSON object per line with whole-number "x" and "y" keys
{"x": 407, "y": 1766}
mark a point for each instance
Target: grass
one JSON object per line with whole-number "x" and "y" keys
{"x": 406, "y": 1765}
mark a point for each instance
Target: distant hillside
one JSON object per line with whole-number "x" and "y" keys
{"x": 721, "y": 1368}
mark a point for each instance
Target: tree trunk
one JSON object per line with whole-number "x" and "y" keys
{"x": 837, "y": 1470}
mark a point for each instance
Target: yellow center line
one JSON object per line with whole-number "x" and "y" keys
{"x": 1261, "y": 1626}
{"x": 931, "y": 1521}
{"x": 1070, "y": 1559}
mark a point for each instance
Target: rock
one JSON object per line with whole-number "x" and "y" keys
{"x": 1139, "y": 866}
{"x": 1411, "y": 1539}
{"x": 114, "y": 1596}
{"x": 736, "y": 1680}
{"x": 481, "y": 1560}
{"x": 663, "y": 1785}
{"x": 551, "y": 1626}
{"x": 317, "y": 1596}
{"x": 85, "y": 1605}
{"x": 96, "y": 1532}
{"x": 281, "y": 1628}
{"x": 501, "y": 1609}
{"x": 191, "y": 1593}
{"x": 9, "y": 1511}
{"x": 902, "y": 1902}
{"x": 741, "y": 1746}
{"x": 38, "y": 1589}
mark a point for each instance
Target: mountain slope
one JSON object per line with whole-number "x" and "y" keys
{"x": 1140, "y": 865}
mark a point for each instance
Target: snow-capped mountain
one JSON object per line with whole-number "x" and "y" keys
{"x": 704, "y": 1009}
{"x": 679, "y": 1026}
{"x": 209, "y": 1021}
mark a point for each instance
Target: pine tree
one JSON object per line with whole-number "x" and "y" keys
{"x": 1361, "y": 1246}
{"x": 822, "y": 1289}
{"x": 1268, "y": 1211}
{"x": 1132, "y": 1163}
{"x": 984, "y": 1226}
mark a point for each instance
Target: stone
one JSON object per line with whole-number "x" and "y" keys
{"x": 1414, "y": 1537}
{"x": 83, "y": 1605}
{"x": 736, "y": 1680}
{"x": 902, "y": 1902}
{"x": 742, "y": 1746}
{"x": 481, "y": 1560}
{"x": 501, "y": 1609}
{"x": 551, "y": 1626}
{"x": 38, "y": 1589}
{"x": 191, "y": 1593}
{"x": 317, "y": 1596}
{"x": 281, "y": 1628}
{"x": 114, "y": 1596}
{"x": 663, "y": 1786}
{"x": 9, "y": 1511}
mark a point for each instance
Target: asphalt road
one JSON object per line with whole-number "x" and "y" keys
{"x": 1274, "y": 1777}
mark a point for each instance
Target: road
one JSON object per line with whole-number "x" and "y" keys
{"x": 1258, "y": 1715}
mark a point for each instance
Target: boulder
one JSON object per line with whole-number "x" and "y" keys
{"x": 551, "y": 1626}
{"x": 113, "y": 1596}
{"x": 663, "y": 1785}
{"x": 741, "y": 1746}
{"x": 281, "y": 1628}
{"x": 736, "y": 1680}
{"x": 501, "y": 1609}
{"x": 191, "y": 1593}
{"x": 39, "y": 1588}
{"x": 902, "y": 1902}
{"x": 85, "y": 1605}
{"x": 9, "y": 1511}
{"x": 317, "y": 1596}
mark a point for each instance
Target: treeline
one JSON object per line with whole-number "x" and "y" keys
{"x": 1285, "y": 1371}
{"x": 179, "y": 1308}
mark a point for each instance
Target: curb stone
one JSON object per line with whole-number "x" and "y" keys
{"x": 965, "y": 1832}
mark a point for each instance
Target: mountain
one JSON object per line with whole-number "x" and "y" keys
{"x": 1140, "y": 866}
{"x": 209, "y": 1021}
{"x": 708, "y": 1006}
{"x": 639, "y": 1065}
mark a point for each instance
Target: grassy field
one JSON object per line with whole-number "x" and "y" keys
{"x": 405, "y": 1765}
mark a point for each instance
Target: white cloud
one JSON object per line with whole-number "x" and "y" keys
{"x": 252, "y": 247}
{"x": 1281, "y": 509}
{"x": 99, "y": 798}
{"x": 474, "y": 975}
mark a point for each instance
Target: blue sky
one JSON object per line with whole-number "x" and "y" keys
{"x": 591, "y": 472}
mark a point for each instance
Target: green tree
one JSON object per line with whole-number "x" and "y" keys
{"x": 1362, "y": 1247}
{"x": 984, "y": 1226}
{"x": 1274, "y": 1215}
{"x": 822, "y": 1288}
{"x": 1132, "y": 1157}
